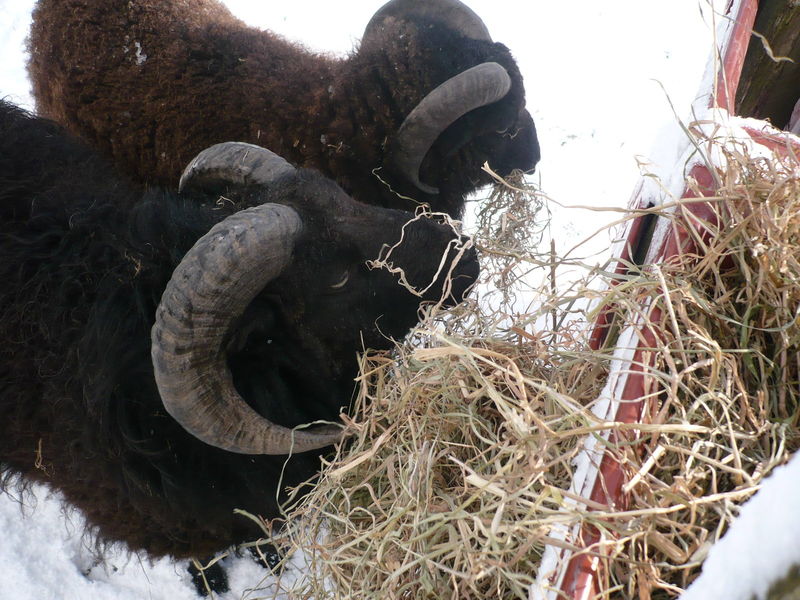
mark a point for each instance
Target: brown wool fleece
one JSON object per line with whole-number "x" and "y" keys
{"x": 146, "y": 81}
{"x": 151, "y": 83}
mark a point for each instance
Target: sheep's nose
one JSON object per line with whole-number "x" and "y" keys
{"x": 522, "y": 152}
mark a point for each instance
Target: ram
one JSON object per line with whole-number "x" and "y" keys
{"x": 161, "y": 351}
{"x": 409, "y": 117}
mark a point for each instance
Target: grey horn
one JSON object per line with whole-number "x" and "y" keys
{"x": 211, "y": 287}
{"x": 479, "y": 86}
{"x": 235, "y": 163}
{"x": 450, "y": 13}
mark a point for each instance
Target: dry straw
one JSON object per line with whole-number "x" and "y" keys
{"x": 463, "y": 439}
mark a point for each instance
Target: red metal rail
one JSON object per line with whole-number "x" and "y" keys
{"x": 580, "y": 577}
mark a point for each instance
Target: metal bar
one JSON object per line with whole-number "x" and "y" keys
{"x": 579, "y": 574}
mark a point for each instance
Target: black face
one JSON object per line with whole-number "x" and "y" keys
{"x": 293, "y": 353}
{"x": 507, "y": 142}
{"x": 501, "y": 134}
{"x": 352, "y": 302}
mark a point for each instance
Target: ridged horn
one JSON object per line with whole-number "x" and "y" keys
{"x": 478, "y": 86}
{"x": 450, "y": 13}
{"x": 235, "y": 163}
{"x": 211, "y": 287}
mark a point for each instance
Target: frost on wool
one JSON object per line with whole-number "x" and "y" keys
{"x": 140, "y": 56}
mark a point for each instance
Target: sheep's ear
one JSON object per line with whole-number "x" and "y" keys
{"x": 233, "y": 163}
{"x": 450, "y": 13}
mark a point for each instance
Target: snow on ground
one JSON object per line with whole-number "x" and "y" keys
{"x": 45, "y": 554}
{"x": 761, "y": 546}
{"x": 597, "y": 77}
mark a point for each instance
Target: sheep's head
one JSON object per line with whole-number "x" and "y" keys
{"x": 461, "y": 98}
{"x": 306, "y": 251}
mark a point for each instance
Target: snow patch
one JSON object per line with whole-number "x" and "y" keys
{"x": 761, "y": 546}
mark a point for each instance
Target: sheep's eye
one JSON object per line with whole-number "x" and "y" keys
{"x": 342, "y": 281}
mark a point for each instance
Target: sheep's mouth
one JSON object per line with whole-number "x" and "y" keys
{"x": 462, "y": 148}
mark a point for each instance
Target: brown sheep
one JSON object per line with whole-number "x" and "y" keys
{"x": 152, "y": 82}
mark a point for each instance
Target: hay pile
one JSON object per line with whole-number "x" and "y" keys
{"x": 464, "y": 439}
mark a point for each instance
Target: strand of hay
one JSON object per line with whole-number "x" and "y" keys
{"x": 464, "y": 438}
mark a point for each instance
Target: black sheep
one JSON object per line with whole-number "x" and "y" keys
{"x": 85, "y": 259}
{"x": 411, "y": 116}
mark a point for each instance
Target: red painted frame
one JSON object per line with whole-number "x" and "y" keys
{"x": 581, "y": 579}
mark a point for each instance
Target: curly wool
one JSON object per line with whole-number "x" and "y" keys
{"x": 150, "y": 83}
{"x": 84, "y": 259}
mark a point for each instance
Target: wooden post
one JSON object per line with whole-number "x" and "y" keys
{"x": 769, "y": 89}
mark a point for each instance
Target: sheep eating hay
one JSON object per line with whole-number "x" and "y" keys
{"x": 158, "y": 350}
{"x": 410, "y": 116}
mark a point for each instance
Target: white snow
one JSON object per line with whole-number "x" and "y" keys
{"x": 45, "y": 553}
{"x": 15, "y": 19}
{"x": 598, "y": 78}
{"x": 761, "y": 546}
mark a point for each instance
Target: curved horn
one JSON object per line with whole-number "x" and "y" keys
{"x": 450, "y": 13}
{"x": 233, "y": 162}
{"x": 479, "y": 86}
{"x": 212, "y": 286}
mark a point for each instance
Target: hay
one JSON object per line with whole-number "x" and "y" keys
{"x": 464, "y": 438}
